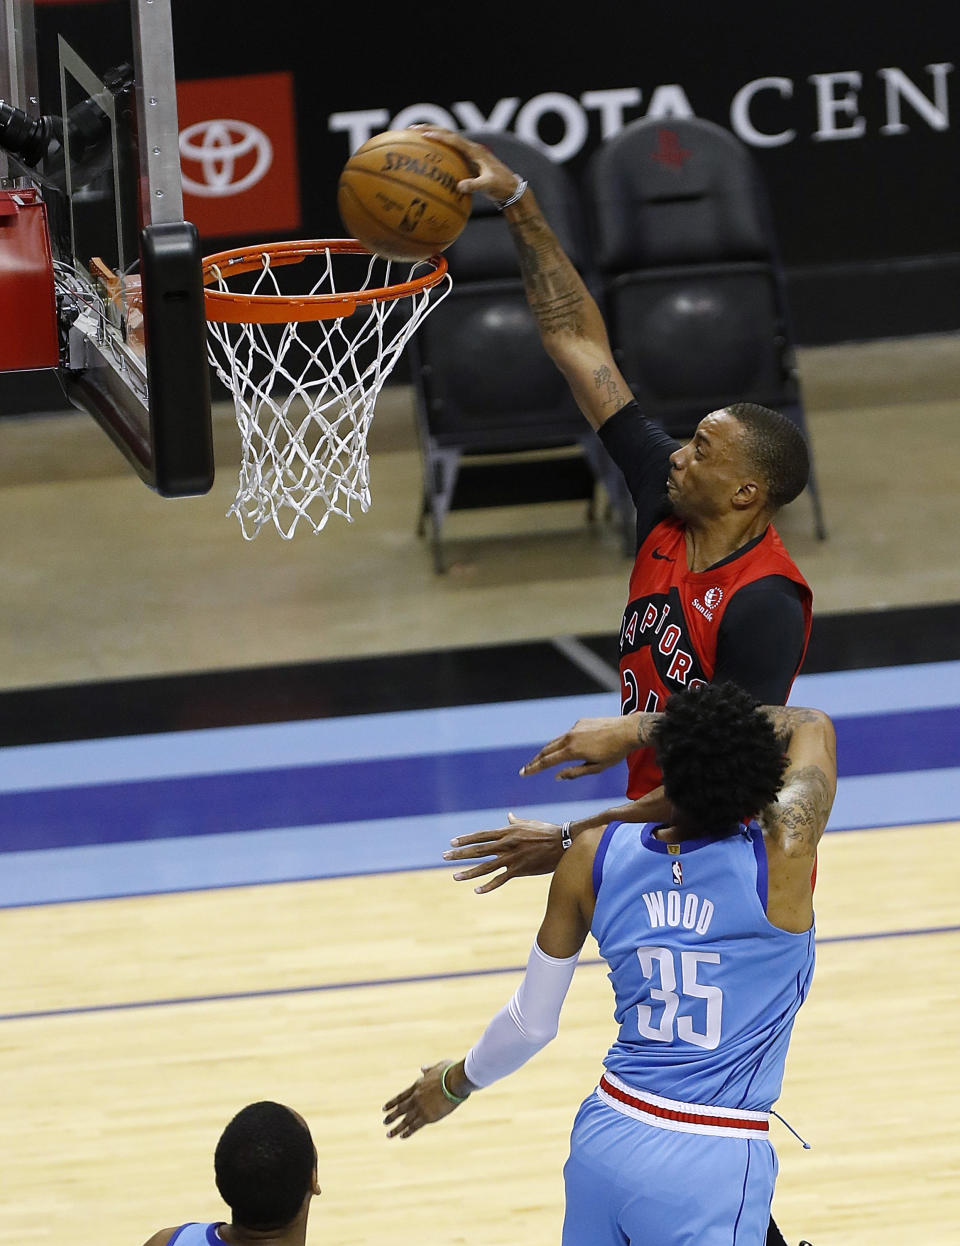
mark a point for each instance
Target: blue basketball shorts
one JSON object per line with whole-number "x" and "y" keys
{"x": 631, "y": 1182}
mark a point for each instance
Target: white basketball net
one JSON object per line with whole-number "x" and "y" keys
{"x": 304, "y": 395}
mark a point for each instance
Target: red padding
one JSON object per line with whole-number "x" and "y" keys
{"x": 28, "y": 305}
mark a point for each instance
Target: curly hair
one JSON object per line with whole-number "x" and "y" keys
{"x": 720, "y": 756}
{"x": 775, "y": 449}
{"x": 264, "y": 1166}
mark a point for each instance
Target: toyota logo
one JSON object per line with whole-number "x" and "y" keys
{"x": 218, "y": 147}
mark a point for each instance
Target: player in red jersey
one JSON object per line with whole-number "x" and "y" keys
{"x": 714, "y": 595}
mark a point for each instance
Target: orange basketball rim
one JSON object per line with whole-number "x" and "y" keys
{"x": 225, "y": 306}
{"x": 304, "y": 388}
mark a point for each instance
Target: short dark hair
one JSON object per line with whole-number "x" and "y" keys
{"x": 720, "y": 756}
{"x": 776, "y": 450}
{"x": 264, "y": 1165}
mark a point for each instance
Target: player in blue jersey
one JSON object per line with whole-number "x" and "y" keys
{"x": 265, "y": 1166}
{"x": 706, "y": 923}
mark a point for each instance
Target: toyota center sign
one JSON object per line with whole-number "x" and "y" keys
{"x": 850, "y": 112}
{"x": 769, "y": 111}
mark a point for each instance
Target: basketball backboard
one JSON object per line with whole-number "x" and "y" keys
{"x": 91, "y": 121}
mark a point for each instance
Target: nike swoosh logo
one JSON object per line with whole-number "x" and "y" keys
{"x": 662, "y": 557}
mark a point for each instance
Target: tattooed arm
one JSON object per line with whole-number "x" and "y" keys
{"x": 571, "y": 327}
{"x": 794, "y": 824}
{"x": 593, "y": 744}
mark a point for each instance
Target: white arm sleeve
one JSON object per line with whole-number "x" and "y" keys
{"x": 527, "y": 1023}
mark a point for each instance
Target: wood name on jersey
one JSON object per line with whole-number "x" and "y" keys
{"x": 673, "y": 908}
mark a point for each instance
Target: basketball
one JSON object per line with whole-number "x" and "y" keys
{"x": 398, "y": 195}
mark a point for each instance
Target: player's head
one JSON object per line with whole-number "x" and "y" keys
{"x": 720, "y": 757}
{"x": 775, "y": 448}
{"x": 266, "y": 1166}
{"x": 741, "y": 457}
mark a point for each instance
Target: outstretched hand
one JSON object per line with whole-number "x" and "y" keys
{"x": 595, "y": 744}
{"x": 490, "y": 175}
{"x": 524, "y": 847}
{"x": 527, "y": 846}
{"x": 420, "y": 1104}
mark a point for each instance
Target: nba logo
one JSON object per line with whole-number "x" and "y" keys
{"x": 678, "y": 873}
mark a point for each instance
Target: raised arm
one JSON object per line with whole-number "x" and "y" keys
{"x": 571, "y": 327}
{"x": 795, "y": 822}
{"x": 798, "y": 818}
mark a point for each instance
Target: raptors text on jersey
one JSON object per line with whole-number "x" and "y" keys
{"x": 668, "y": 637}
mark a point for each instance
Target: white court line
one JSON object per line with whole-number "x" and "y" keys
{"x": 575, "y": 651}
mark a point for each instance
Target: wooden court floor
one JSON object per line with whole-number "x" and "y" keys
{"x": 132, "y": 1029}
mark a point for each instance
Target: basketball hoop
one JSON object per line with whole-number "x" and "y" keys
{"x": 305, "y": 369}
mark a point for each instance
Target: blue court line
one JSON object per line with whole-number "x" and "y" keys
{"x": 245, "y": 858}
{"x": 292, "y": 854}
{"x": 98, "y": 886}
{"x": 267, "y": 746}
{"x": 524, "y": 724}
{"x": 391, "y": 787}
{"x": 348, "y": 792}
{"x": 880, "y": 690}
{"x": 411, "y": 980}
{"x": 867, "y": 801}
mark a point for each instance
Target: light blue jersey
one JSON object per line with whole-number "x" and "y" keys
{"x": 706, "y": 988}
{"x": 706, "y": 992}
{"x": 195, "y": 1234}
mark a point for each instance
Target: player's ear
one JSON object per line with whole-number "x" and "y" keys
{"x": 748, "y": 493}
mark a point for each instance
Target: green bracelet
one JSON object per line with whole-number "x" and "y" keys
{"x": 443, "y": 1086}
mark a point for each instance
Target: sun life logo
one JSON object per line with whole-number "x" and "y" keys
{"x": 712, "y": 598}
{"x": 224, "y": 149}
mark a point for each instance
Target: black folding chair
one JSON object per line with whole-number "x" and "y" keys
{"x": 483, "y": 384}
{"x": 691, "y": 280}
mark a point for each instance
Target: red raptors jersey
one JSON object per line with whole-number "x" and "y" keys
{"x": 668, "y": 639}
